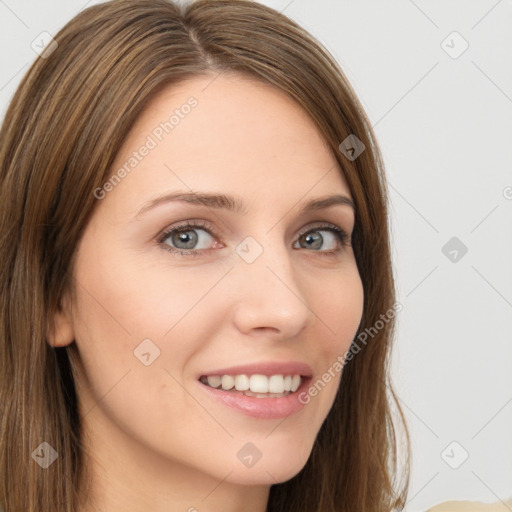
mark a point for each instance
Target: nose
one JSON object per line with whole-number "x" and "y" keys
{"x": 269, "y": 298}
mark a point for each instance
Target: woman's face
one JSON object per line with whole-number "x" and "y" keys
{"x": 268, "y": 284}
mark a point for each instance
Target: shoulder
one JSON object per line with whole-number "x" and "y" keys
{"x": 472, "y": 506}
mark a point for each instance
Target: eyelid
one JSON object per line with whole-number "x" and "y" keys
{"x": 324, "y": 225}
{"x": 185, "y": 224}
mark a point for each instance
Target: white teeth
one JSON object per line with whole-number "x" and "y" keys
{"x": 295, "y": 383}
{"x": 276, "y": 384}
{"x": 227, "y": 382}
{"x": 241, "y": 382}
{"x": 258, "y": 383}
{"x": 255, "y": 384}
{"x": 214, "y": 381}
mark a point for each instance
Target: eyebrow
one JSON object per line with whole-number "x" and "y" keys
{"x": 235, "y": 205}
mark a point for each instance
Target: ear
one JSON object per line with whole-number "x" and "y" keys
{"x": 60, "y": 332}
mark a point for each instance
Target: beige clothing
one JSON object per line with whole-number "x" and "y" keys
{"x": 472, "y": 506}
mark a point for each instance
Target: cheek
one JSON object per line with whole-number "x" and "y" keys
{"x": 339, "y": 310}
{"x": 130, "y": 313}
{"x": 125, "y": 310}
{"x": 135, "y": 297}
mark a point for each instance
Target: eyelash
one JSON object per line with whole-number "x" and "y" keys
{"x": 341, "y": 235}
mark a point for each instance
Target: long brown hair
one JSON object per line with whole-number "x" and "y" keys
{"x": 61, "y": 133}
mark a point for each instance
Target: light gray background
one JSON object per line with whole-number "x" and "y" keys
{"x": 445, "y": 129}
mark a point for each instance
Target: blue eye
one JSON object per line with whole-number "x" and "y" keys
{"x": 335, "y": 235}
{"x": 184, "y": 239}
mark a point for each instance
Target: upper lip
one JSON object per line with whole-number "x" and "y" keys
{"x": 267, "y": 368}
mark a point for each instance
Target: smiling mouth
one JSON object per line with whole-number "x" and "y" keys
{"x": 256, "y": 385}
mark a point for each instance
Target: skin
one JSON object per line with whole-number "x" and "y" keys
{"x": 154, "y": 439}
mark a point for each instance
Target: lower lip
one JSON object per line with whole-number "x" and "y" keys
{"x": 265, "y": 408}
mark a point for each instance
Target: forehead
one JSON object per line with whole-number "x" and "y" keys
{"x": 227, "y": 131}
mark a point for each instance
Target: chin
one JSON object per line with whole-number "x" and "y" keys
{"x": 264, "y": 476}
{"x": 277, "y": 467}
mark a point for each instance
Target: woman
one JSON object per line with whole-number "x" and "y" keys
{"x": 195, "y": 245}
